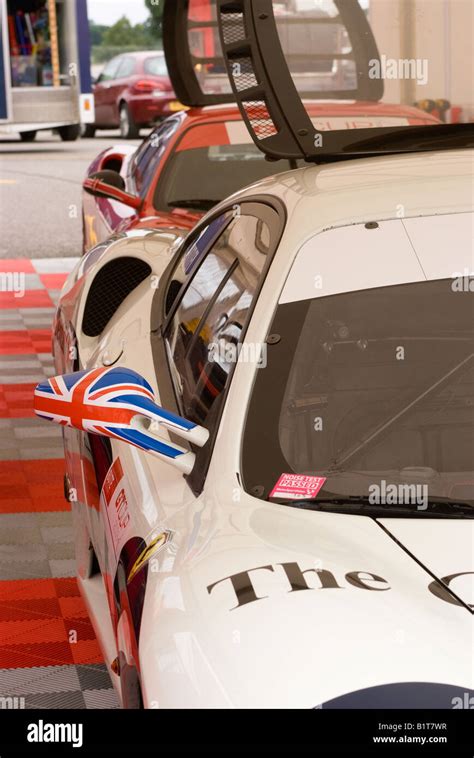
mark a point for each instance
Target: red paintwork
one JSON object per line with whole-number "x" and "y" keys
{"x": 144, "y": 107}
{"x": 96, "y": 185}
{"x": 111, "y": 216}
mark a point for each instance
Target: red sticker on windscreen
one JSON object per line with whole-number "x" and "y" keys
{"x": 297, "y": 486}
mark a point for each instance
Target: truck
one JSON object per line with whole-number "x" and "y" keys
{"x": 45, "y": 77}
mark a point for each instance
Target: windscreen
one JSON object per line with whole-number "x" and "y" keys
{"x": 156, "y": 66}
{"x": 369, "y": 387}
{"x": 227, "y": 167}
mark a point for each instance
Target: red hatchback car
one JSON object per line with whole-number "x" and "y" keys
{"x": 133, "y": 91}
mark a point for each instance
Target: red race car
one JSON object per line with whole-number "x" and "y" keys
{"x": 133, "y": 91}
{"x": 194, "y": 160}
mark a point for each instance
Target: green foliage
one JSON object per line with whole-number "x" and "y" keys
{"x": 156, "y": 12}
{"x": 121, "y": 33}
{"x": 104, "y": 54}
{"x": 97, "y": 32}
{"x": 123, "y": 37}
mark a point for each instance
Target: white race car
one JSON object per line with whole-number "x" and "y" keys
{"x": 269, "y": 440}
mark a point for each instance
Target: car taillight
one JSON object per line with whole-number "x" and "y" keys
{"x": 144, "y": 85}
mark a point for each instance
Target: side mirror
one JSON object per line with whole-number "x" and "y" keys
{"x": 120, "y": 404}
{"x": 110, "y": 184}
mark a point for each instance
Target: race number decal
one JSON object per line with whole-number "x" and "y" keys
{"x": 115, "y": 506}
{"x": 297, "y": 486}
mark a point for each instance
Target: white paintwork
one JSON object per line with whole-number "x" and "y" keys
{"x": 99, "y": 614}
{"x": 302, "y": 648}
{"x": 430, "y": 546}
{"x": 397, "y": 252}
{"x": 432, "y": 237}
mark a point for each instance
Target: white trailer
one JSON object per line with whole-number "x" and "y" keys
{"x": 45, "y": 80}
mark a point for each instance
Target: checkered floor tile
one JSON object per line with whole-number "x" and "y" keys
{"x": 49, "y": 656}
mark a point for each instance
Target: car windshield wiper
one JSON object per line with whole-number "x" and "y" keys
{"x": 373, "y": 434}
{"x": 436, "y": 507}
{"x": 199, "y": 204}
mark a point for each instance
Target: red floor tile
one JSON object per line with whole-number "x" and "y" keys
{"x": 16, "y": 400}
{"x": 86, "y": 652}
{"x": 27, "y": 505}
{"x": 72, "y": 607}
{"x": 36, "y": 618}
{"x": 24, "y": 632}
{"x": 27, "y": 589}
{"x": 40, "y": 654}
{"x": 32, "y": 486}
{"x": 31, "y": 299}
{"x": 25, "y": 342}
{"x": 21, "y": 265}
{"x": 53, "y": 281}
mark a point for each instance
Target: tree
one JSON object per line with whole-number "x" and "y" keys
{"x": 97, "y": 32}
{"x": 156, "y": 11}
{"x": 120, "y": 34}
{"x": 143, "y": 36}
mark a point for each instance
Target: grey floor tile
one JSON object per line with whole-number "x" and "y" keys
{"x": 63, "y": 568}
{"x": 39, "y": 679}
{"x": 93, "y": 677}
{"x": 52, "y": 534}
{"x": 10, "y": 571}
{"x": 55, "y": 701}
{"x": 104, "y": 699}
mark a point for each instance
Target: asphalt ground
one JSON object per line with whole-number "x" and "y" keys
{"x": 40, "y": 193}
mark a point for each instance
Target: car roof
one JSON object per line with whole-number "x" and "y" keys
{"x": 143, "y": 54}
{"x": 371, "y": 189}
{"x": 321, "y": 108}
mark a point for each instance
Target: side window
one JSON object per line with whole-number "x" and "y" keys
{"x": 156, "y": 66}
{"x": 192, "y": 257}
{"x": 126, "y": 68}
{"x": 110, "y": 71}
{"x": 150, "y": 154}
{"x": 210, "y": 317}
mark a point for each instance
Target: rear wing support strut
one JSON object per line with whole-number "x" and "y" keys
{"x": 261, "y": 80}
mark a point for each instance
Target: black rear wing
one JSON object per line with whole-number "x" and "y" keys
{"x": 273, "y": 109}
{"x": 185, "y": 60}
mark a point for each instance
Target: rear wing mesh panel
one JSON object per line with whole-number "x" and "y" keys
{"x": 260, "y": 120}
{"x": 244, "y": 25}
{"x": 233, "y": 28}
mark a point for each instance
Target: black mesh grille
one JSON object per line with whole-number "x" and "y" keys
{"x": 109, "y": 289}
{"x": 243, "y": 74}
{"x": 260, "y": 119}
{"x": 233, "y": 26}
